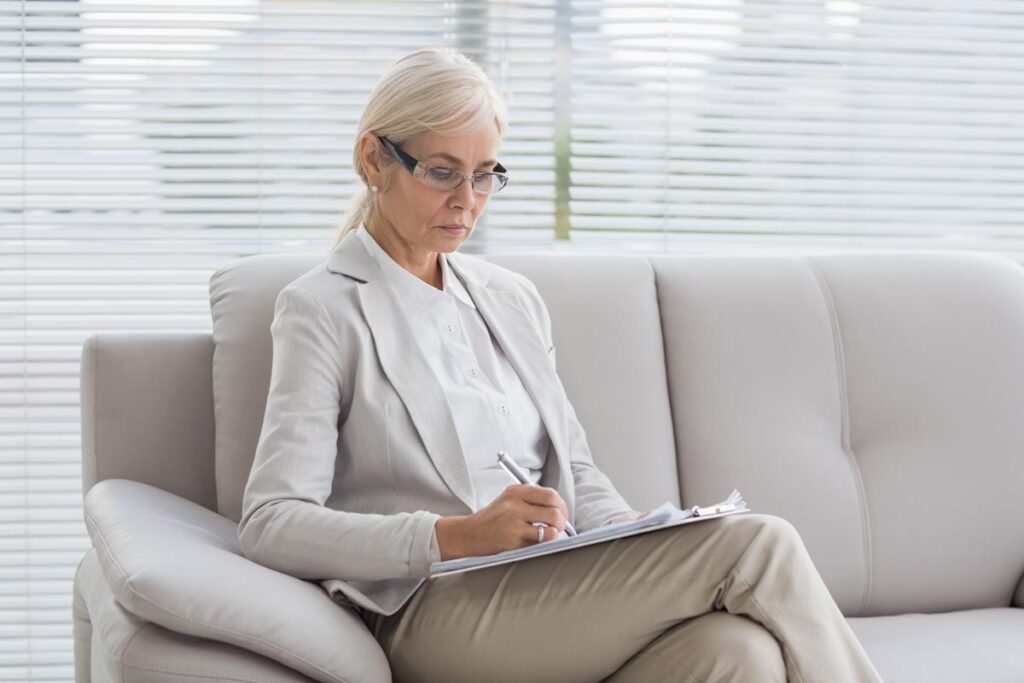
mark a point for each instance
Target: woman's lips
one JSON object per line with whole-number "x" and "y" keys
{"x": 454, "y": 230}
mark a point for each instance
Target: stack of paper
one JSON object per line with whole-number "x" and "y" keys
{"x": 665, "y": 515}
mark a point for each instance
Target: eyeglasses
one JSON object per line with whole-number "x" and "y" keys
{"x": 448, "y": 179}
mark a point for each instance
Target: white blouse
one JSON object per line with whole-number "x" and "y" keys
{"x": 490, "y": 405}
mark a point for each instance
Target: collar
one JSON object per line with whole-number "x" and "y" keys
{"x": 415, "y": 294}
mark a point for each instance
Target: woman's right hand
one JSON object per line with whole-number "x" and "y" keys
{"x": 505, "y": 523}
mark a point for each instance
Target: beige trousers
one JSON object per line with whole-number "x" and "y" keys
{"x": 736, "y": 598}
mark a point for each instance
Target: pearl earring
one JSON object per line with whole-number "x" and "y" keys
{"x": 373, "y": 187}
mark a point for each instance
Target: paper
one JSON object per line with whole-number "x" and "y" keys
{"x": 665, "y": 515}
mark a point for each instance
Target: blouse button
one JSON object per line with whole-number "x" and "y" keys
{"x": 450, "y": 328}
{"x": 504, "y": 410}
{"x": 473, "y": 372}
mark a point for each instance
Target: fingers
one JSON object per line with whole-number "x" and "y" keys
{"x": 542, "y": 496}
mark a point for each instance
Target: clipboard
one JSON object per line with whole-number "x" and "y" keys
{"x": 664, "y": 516}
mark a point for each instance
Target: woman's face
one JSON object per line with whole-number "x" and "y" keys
{"x": 412, "y": 213}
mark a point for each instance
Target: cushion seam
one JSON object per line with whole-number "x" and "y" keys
{"x": 837, "y": 342}
{"x": 660, "y": 300}
{"x": 120, "y": 657}
{"x": 116, "y": 654}
{"x": 217, "y": 410}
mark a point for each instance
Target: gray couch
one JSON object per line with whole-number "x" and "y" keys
{"x": 872, "y": 399}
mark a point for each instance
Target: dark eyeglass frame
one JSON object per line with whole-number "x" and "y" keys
{"x": 419, "y": 170}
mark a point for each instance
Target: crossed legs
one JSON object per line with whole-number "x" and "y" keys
{"x": 732, "y": 599}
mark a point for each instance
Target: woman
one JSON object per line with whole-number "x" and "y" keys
{"x": 401, "y": 367}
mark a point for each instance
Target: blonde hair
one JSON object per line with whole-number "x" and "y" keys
{"x": 435, "y": 89}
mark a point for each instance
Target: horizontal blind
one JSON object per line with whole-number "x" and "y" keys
{"x": 741, "y": 126}
{"x": 144, "y": 145}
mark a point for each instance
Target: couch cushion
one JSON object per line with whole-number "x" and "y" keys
{"x": 127, "y": 649}
{"x": 873, "y": 400}
{"x": 980, "y": 646}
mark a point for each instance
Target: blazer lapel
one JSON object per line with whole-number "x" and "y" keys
{"x": 406, "y": 366}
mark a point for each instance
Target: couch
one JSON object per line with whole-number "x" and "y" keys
{"x": 874, "y": 399}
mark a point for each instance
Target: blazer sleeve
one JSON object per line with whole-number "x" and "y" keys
{"x": 598, "y": 502}
{"x": 285, "y": 524}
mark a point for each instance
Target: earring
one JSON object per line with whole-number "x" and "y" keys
{"x": 373, "y": 187}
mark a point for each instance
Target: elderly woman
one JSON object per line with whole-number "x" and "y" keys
{"x": 401, "y": 368}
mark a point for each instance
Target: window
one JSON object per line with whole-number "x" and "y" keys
{"x": 144, "y": 145}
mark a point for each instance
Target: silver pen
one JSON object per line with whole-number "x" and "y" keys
{"x": 517, "y": 473}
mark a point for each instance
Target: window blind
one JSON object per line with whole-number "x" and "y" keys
{"x": 145, "y": 144}
{"x": 729, "y": 125}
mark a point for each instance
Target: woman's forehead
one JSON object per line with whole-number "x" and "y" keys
{"x": 478, "y": 148}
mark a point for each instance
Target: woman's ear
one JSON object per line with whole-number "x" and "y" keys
{"x": 369, "y": 156}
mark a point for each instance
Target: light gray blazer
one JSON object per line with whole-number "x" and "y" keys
{"x": 359, "y": 456}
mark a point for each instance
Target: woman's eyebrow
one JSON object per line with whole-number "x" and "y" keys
{"x": 456, "y": 160}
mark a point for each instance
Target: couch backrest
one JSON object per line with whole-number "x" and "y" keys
{"x": 872, "y": 399}
{"x": 606, "y": 329}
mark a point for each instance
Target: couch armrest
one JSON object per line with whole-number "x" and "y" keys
{"x": 179, "y": 565}
{"x": 1018, "y": 597}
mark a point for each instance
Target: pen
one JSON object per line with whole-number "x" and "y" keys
{"x": 512, "y": 468}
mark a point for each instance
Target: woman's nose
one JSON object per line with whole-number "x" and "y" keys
{"x": 464, "y": 196}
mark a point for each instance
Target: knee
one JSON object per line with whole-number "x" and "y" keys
{"x": 774, "y": 529}
{"x": 745, "y": 647}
